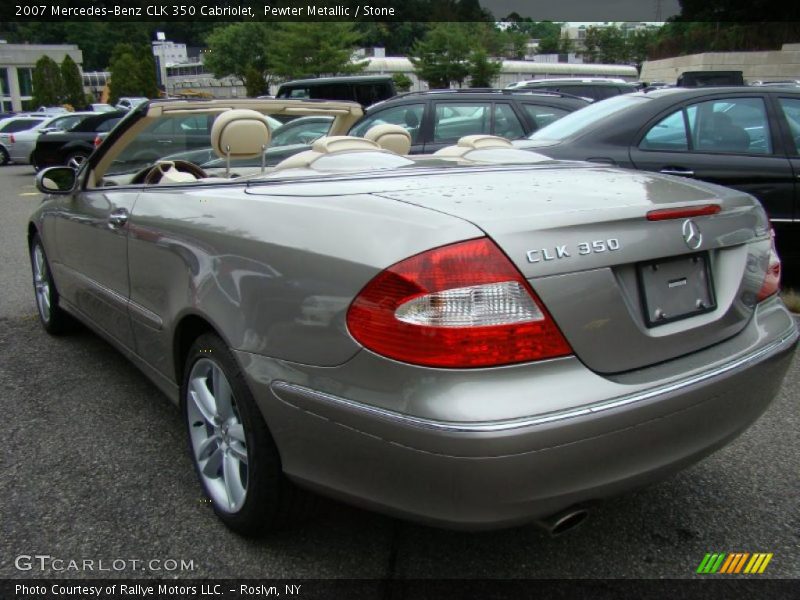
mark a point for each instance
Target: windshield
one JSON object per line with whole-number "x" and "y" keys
{"x": 575, "y": 122}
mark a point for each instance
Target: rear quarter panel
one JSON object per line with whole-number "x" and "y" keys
{"x": 273, "y": 274}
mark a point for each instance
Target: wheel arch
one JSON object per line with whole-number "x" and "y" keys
{"x": 190, "y": 327}
{"x": 32, "y": 231}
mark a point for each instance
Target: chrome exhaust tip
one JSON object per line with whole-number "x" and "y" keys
{"x": 563, "y": 521}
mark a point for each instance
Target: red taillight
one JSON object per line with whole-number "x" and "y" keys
{"x": 682, "y": 212}
{"x": 462, "y": 305}
{"x": 772, "y": 279}
{"x": 97, "y": 141}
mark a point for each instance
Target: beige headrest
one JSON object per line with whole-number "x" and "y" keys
{"x": 474, "y": 142}
{"x": 393, "y": 138}
{"x": 331, "y": 144}
{"x": 242, "y": 132}
{"x": 342, "y": 143}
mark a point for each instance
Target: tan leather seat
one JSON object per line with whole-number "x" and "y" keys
{"x": 331, "y": 144}
{"x": 393, "y": 138}
{"x": 240, "y": 133}
{"x": 474, "y": 142}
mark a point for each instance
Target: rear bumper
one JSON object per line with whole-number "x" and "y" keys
{"x": 493, "y": 473}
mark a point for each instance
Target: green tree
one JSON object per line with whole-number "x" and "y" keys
{"x": 254, "y": 82}
{"x": 591, "y": 45}
{"x": 482, "y": 70}
{"x": 311, "y": 49}
{"x": 549, "y": 45}
{"x": 516, "y": 44}
{"x": 72, "y": 83}
{"x": 241, "y": 50}
{"x": 402, "y": 82}
{"x": 612, "y": 46}
{"x": 440, "y": 58}
{"x": 133, "y": 72}
{"x": 47, "y": 83}
{"x": 397, "y": 38}
{"x": 640, "y": 43}
{"x": 565, "y": 45}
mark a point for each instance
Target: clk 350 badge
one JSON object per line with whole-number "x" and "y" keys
{"x": 582, "y": 249}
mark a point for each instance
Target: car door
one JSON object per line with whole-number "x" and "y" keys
{"x": 91, "y": 263}
{"x": 732, "y": 141}
{"x": 789, "y": 109}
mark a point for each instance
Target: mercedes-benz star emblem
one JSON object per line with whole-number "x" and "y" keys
{"x": 691, "y": 234}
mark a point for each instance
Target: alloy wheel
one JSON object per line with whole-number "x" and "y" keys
{"x": 217, "y": 436}
{"x": 75, "y": 161}
{"x": 41, "y": 283}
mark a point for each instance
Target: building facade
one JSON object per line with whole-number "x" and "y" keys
{"x": 755, "y": 66}
{"x": 16, "y": 71}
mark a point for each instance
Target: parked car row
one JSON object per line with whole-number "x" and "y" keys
{"x": 746, "y": 137}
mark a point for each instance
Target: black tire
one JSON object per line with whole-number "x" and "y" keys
{"x": 271, "y": 501}
{"x": 75, "y": 159}
{"x": 52, "y": 317}
{"x": 4, "y": 157}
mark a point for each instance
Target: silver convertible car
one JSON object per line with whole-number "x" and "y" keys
{"x": 475, "y": 338}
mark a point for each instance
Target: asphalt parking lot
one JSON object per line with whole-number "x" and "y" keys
{"x": 94, "y": 466}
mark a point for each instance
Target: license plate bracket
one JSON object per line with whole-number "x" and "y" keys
{"x": 676, "y": 288}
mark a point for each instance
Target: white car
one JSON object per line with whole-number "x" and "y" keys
{"x": 18, "y": 145}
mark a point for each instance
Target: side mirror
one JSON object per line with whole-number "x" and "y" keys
{"x": 56, "y": 180}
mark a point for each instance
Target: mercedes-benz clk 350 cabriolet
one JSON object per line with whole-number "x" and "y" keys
{"x": 475, "y": 338}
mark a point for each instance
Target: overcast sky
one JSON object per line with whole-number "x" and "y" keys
{"x": 583, "y": 10}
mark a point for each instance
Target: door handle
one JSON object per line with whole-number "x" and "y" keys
{"x": 677, "y": 171}
{"x": 118, "y": 218}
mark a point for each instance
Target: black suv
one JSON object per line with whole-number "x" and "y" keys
{"x": 591, "y": 89}
{"x": 438, "y": 118}
{"x": 364, "y": 89}
{"x": 72, "y": 147}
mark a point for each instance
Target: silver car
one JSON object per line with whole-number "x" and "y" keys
{"x": 477, "y": 338}
{"x": 20, "y": 145}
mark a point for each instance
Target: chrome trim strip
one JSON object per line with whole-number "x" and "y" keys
{"x": 137, "y": 311}
{"x": 787, "y": 340}
{"x": 783, "y": 220}
{"x": 145, "y": 316}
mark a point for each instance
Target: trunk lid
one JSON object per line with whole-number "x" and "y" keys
{"x": 581, "y": 237}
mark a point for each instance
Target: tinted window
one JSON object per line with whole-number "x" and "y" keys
{"x": 294, "y": 93}
{"x": 668, "y": 134}
{"x": 730, "y": 125}
{"x": 506, "y": 122}
{"x": 791, "y": 110}
{"x": 580, "y": 120}
{"x": 92, "y": 124}
{"x": 66, "y": 123}
{"x": 332, "y": 91}
{"x": 408, "y": 116}
{"x": 371, "y": 93}
{"x": 107, "y": 125}
{"x": 471, "y": 119}
{"x": 542, "y": 116}
{"x": 20, "y": 125}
